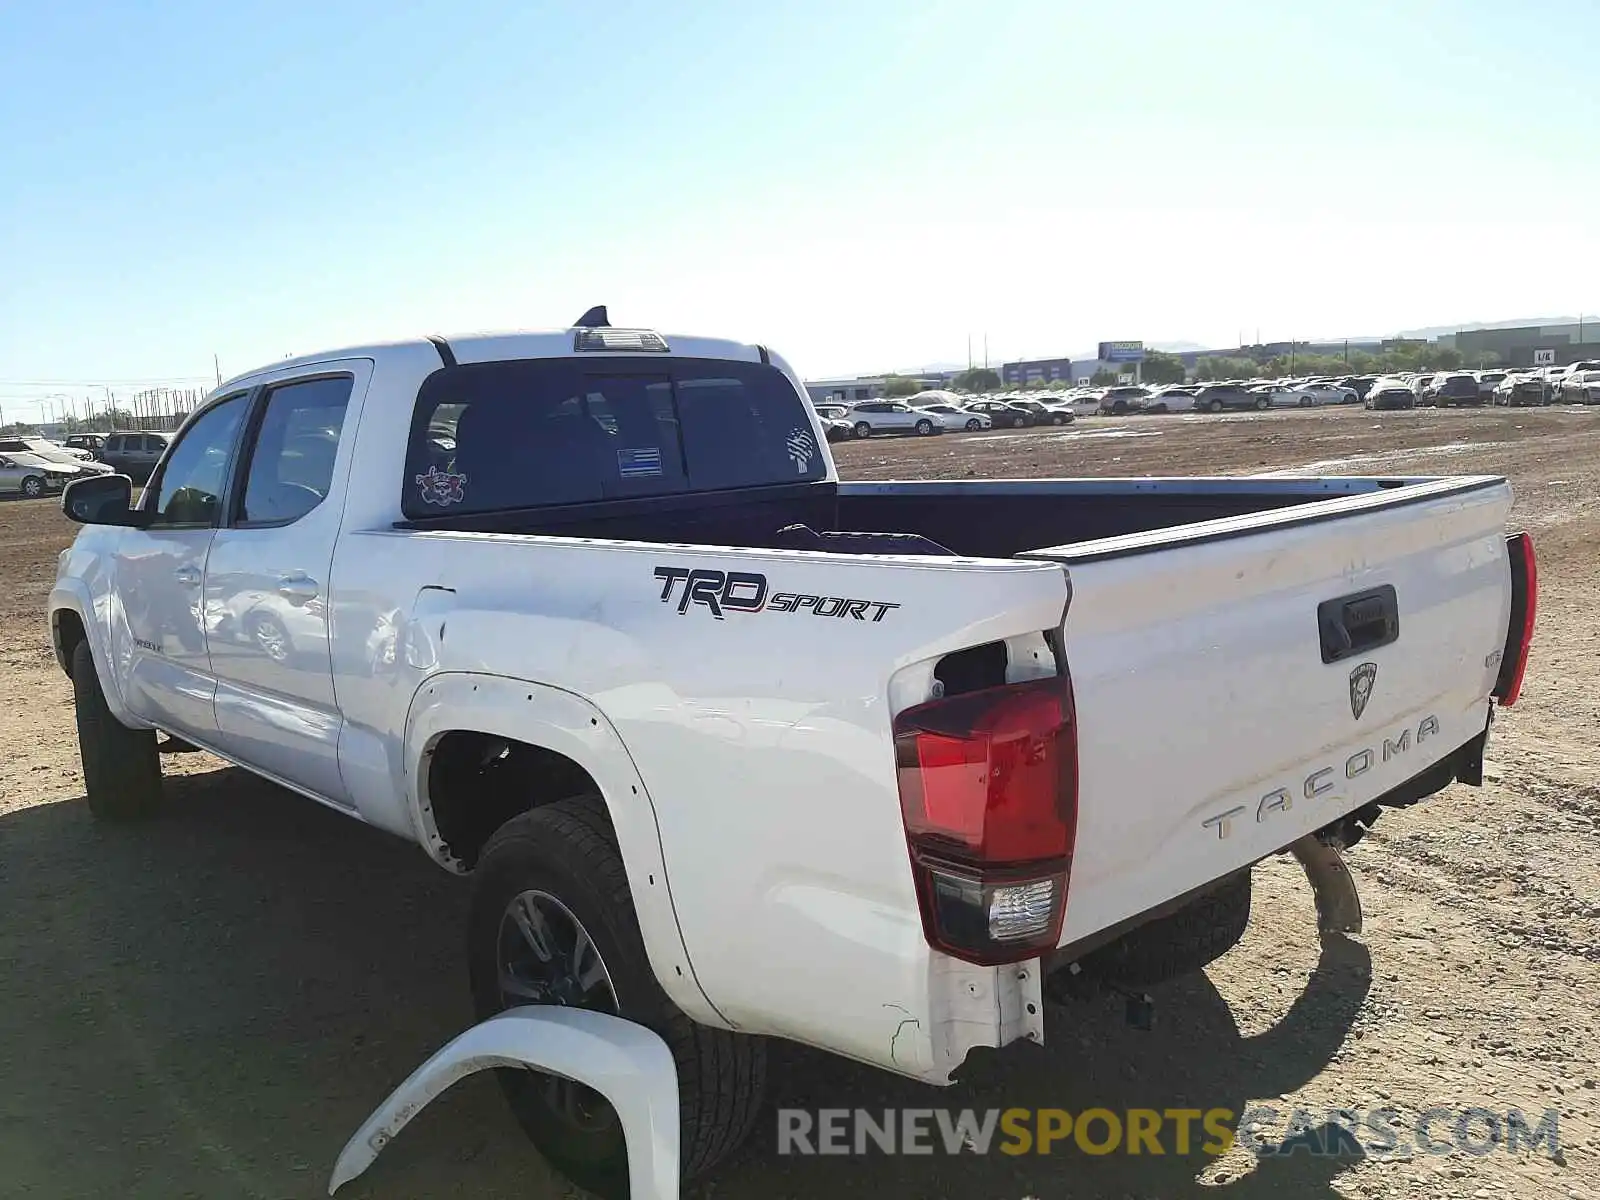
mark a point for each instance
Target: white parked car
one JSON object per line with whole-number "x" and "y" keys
{"x": 1327, "y": 393}
{"x": 728, "y": 773}
{"x": 53, "y": 452}
{"x": 1175, "y": 398}
{"x": 1282, "y": 395}
{"x": 872, "y": 417}
{"x": 956, "y": 417}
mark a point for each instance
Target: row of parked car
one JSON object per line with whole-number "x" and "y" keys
{"x": 32, "y": 466}
{"x": 934, "y": 412}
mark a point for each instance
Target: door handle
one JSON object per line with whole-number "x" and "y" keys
{"x": 188, "y": 576}
{"x": 298, "y": 588}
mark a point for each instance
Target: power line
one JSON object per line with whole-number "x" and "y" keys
{"x": 102, "y": 380}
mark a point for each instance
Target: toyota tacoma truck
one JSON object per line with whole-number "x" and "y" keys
{"x": 734, "y": 750}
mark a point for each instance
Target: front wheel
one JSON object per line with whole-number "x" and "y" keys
{"x": 1263, "y": 404}
{"x": 121, "y": 767}
{"x": 33, "y": 487}
{"x": 552, "y": 922}
{"x": 1215, "y": 406}
{"x": 924, "y": 428}
{"x": 863, "y": 430}
{"x": 974, "y": 425}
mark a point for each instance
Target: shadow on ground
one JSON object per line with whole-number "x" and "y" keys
{"x": 211, "y": 1003}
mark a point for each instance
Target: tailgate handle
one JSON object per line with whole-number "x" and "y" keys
{"x": 1359, "y": 622}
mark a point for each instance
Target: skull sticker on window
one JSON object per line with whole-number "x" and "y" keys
{"x": 442, "y": 487}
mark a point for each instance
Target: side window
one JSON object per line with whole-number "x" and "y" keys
{"x": 188, "y": 490}
{"x": 291, "y": 464}
{"x": 113, "y": 444}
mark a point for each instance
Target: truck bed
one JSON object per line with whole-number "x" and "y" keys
{"x": 981, "y": 519}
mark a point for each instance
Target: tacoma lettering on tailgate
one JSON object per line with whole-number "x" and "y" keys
{"x": 1321, "y": 781}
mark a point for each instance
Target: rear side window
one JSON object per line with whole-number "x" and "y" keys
{"x": 290, "y": 469}
{"x": 529, "y": 433}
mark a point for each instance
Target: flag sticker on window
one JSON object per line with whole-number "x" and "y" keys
{"x": 639, "y": 463}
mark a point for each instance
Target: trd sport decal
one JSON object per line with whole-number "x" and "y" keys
{"x": 745, "y": 591}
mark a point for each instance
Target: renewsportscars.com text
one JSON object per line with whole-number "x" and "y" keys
{"x": 1263, "y": 1130}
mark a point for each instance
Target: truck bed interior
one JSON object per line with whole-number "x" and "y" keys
{"x": 979, "y": 518}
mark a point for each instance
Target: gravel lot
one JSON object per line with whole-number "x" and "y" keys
{"x": 210, "y": 1005}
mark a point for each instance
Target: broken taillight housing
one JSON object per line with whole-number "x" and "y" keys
{"x": 989, "y": 793}
{"x": 1524, "y": 607}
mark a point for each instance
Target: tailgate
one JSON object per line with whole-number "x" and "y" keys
{"x": 1243, "y": 682}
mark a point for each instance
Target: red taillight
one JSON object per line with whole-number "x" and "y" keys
{"x": 1524, "y": 605}
{"x": 989, "y": 793}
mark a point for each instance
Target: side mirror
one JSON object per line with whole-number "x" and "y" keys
{"x": 102, "y": 500}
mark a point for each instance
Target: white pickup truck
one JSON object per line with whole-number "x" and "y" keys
{"x": 738, "y": 751}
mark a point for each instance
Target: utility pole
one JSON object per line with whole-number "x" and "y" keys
{"x": 217, "y": 364}
{"x": 986, "y": 352}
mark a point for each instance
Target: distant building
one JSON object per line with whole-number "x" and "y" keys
{"x": 1038, "y": 370}
{"x": 1518, "y": 347}
{"x": 867, "y": 387}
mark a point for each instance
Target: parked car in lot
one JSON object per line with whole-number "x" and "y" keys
{"x": 1175, "y": 398}
{"x": 1085, "y": 402}
{"x": 1002, "y": 413}
{"x": 29, "y": 476}
{"x": 1453, "y": 388}
{"x": 1322, "y": 392}
{"x": 134, "y": 454}
{"x": 1215, "y": 397}
{"x": 961, "y": 418}
{"x": 92, "y": 442}
{"x": 882, "y": 794}
{"x": 1488, "y": 381}
{"x": 835, "y": 419}
{"x": 1047, "y": 414}
{"x": 53, "y": 452}
{"x": 1281, "y": 395}
{"x": 1390, "y": 394}
{"x": 1124, "y": 399}
{"x": 1581, "y": 387}
{"x": 893, "y": 416}
{"x": 1520, "y": 389}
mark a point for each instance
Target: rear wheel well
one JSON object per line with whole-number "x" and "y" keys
{"x": 68, "y": 631}
{"x": 476, "y": 782}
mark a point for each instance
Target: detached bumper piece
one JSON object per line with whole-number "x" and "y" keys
{"x": 626, "y": 1063}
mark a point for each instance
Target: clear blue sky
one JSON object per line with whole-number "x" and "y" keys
{"x": 861, "y": 183}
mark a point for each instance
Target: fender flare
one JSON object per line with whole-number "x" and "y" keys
{"x": 539, "y": 715}
{"x": 626, "y": 1063}
{"x": 72, "y": 595}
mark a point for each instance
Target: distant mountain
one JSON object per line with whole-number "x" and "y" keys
{"x": 1433, "y": 331}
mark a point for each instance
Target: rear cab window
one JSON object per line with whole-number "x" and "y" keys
{"x": 539, "y": 432}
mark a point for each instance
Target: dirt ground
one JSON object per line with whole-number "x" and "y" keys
{"x": 209, "y": 1005}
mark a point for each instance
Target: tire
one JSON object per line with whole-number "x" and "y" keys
{"x": 566, "y": 851}
{"x": 121, "y": 768}
{"x": 863, "y": 430}
{"x": 1215, "y": 406}
{"x": 1179, "y": 943}
{"x": 1263, "y": 404}
{"x": 924, "y": 428}
{"x": 33, "y": 487}
{"x": 1120, "y": 408}
{"x": 1057, "y": 419}
{"x": 974, "y": 425}
{"x": 1305, "y": 401}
